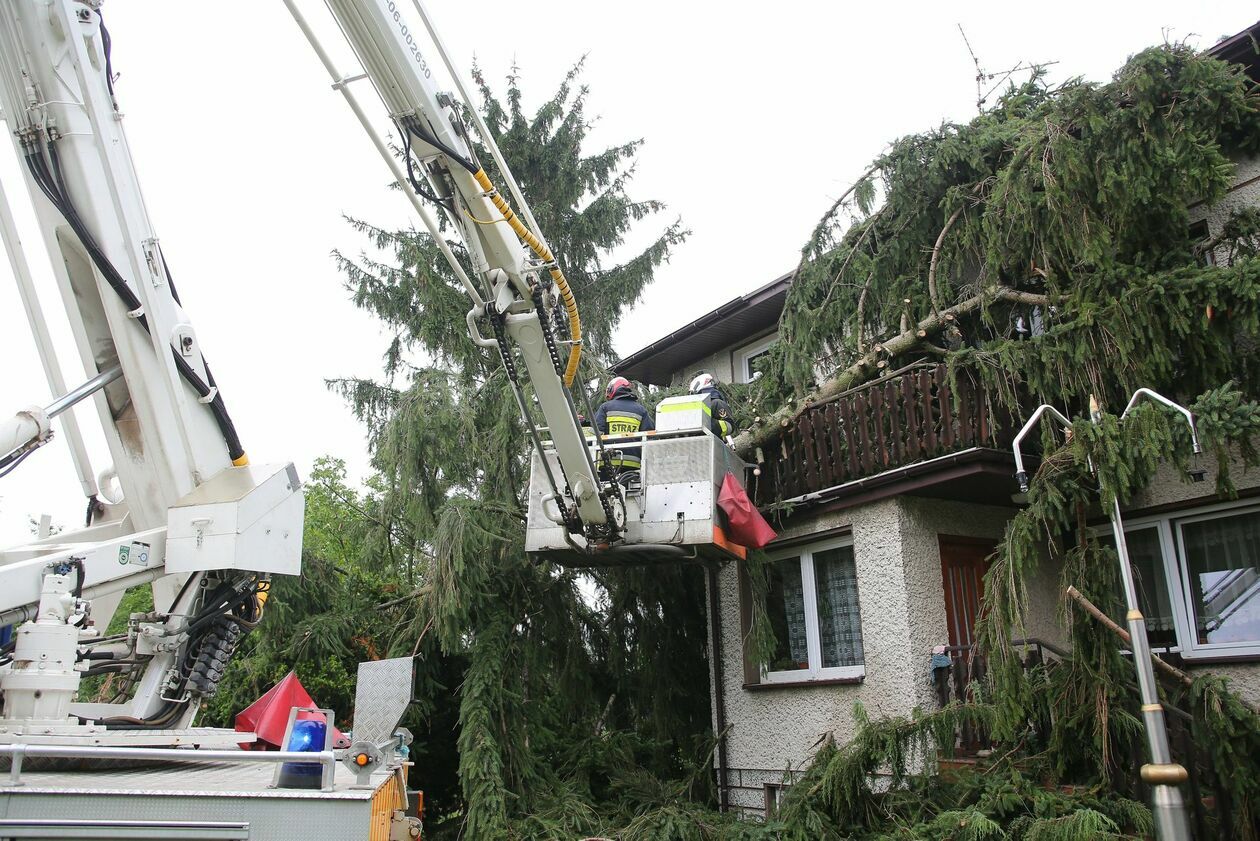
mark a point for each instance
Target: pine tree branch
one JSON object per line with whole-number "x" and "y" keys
{"x": 860, "y": 321}
{"x": 933, "y": 293}
{"x": 865, "y": 367}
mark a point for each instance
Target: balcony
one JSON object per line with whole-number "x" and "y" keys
{"x": 912, "y": 427}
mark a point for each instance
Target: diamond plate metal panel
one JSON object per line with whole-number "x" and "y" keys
{"x": 381, "y": 697}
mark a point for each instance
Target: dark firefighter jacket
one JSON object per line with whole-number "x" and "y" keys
{"x": 718, "y": 412}
{"x": 623, "y": 415}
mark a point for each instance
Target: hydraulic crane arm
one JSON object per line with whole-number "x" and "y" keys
{"x": 188, "y": 513}
{"x": 516, "y": 281}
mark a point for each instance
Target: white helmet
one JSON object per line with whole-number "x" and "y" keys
{"x": 702, "y": 382}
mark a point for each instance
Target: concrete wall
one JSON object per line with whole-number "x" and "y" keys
{"x": 773, "y": 731}
{"x": 1243, "y": 195}
{"x": 897, "y": 556}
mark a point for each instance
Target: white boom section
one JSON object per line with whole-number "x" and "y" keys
{"x": 191, "y": 503}
{"x": 53, "y": 85}
{"x": 388, "y": 48}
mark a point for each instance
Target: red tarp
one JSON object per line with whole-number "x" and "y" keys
{"x": 269, "y": 715}
{"x": 747, "y": 526}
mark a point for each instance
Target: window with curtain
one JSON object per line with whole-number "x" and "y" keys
{"x": 1222, "y": 558}
{"x": 1198, "y": 579}
{"x": 1147, "y": 559}
{"x": 813, "y": 608}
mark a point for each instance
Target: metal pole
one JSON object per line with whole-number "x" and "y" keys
{"x": 1161, "y": 773}
{"x": 88, "y": 388}
{"x": 43, "y": 342}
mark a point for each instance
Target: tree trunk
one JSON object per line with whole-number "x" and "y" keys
{"x": 868, "y": 364}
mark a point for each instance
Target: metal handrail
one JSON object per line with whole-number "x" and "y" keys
{"x": 1017, "y": 643}
{"x": 18, "y": 752}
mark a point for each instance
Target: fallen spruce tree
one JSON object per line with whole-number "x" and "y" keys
{"x": 1045, "y": 251}
{"x": 1043, "y": 248}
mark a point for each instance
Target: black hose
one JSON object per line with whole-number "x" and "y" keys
{"x": 93, "y": 507}
{"x": 52, "y": 185}
{"x": 413, "y": 125}
{"x": 77, "y": 563}
{"x": 159, "y": 720}
{"x": 109, "y": 669}
{"x": 107, "y": 48}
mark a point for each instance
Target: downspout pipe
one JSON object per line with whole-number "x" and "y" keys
{"x": 715, "y": 672}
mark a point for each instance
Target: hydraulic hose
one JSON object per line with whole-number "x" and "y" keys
{"x": 54, "y": 189}
{"x": 544, "y": 253}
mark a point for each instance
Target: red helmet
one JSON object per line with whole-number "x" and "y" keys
{"x": 617, "y": 385}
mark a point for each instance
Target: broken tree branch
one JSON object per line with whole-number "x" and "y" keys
{"x": 1094, "y": 611}
{"x": 933, "y": 294}
{"x": 861, "y": 313}
{"x": 868, "y": 364}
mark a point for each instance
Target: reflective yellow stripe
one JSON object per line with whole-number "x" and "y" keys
{"x": 619, "y": 424}
{"x": 684, "y": 407}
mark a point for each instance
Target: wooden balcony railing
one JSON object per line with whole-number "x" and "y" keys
{"x": 890, "y": 423}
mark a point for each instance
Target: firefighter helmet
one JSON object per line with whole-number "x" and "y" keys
{"x": 618, "y": 385}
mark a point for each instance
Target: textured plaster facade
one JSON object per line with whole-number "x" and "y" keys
{"x": 720, "y": 363}
{"x": 773, "y": 732}
{"x": 1246, "y": 193}
{"x": 897, "y": 556}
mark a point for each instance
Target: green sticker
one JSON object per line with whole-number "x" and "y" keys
{"x": 124, "y": 553}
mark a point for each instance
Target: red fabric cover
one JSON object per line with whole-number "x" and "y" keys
{"x": 746, "y": 525}
{"x": 269, "y": 715}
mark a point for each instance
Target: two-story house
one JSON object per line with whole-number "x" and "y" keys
{"x": 899, "y": 491}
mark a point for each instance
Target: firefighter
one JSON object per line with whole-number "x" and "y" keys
{"x": 715, "y": 406}
{"x": 622, "y": 414}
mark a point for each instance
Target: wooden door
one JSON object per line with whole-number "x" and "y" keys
{"x": 963, "y": 565}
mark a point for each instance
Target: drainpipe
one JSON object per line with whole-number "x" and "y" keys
{"x": 715, "y": 677}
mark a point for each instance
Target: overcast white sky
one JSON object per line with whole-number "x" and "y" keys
{"x": 756, "y": 116}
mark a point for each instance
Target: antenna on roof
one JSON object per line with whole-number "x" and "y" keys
{"x": 982, "y": 96}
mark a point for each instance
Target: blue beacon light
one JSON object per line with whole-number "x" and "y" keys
{"x": 308, "y": 736}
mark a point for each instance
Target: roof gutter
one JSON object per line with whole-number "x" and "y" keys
{"x": 887, "y": 477}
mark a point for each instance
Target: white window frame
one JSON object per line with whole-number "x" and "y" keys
{"x": 747, "y": 352}
{"x": 1177, "y": 576}
{"x": 813, "y": 637}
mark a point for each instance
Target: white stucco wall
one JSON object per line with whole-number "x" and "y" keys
{"x": 1247, "y": 195}
{"x": 897, "y": 556}
{"x": 718, "y": 364}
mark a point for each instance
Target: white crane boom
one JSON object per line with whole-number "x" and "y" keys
{"x": 516, "y": 280}
{"x": 193, "y": 517}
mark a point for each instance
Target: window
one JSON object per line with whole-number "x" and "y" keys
{"x": 774, "y": 796}
{"x": 1198, "y": 579}
{"x": 747, "y": 357}
{"x": 1147, "y": 558}
{"x": 812, "y": 605}
{"x": 1222, "y": 571}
